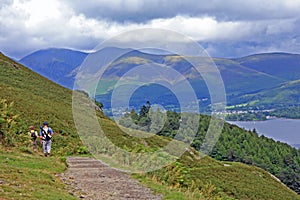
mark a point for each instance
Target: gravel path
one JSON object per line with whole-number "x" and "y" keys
{"x": 91, "y": 179}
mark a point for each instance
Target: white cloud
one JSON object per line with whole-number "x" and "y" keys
{"x": 201, "y": 29}
{"x": 28, "y": 25}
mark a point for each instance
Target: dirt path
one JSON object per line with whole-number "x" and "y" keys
{"x": 90, "y": 179}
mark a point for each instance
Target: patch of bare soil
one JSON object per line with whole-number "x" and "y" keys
{"x": 88, "y": 178}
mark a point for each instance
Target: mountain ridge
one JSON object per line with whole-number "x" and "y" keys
{"x": 241, "y": 76}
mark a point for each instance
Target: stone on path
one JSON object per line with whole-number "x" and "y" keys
{"x": 90, "y": 179}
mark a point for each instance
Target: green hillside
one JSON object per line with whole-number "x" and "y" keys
{"x": 29, "y": 99}
{"x": 26, "y": 175}
{"x": 234, "y": 144}
{"x": 284, "y": 94}
{"x": 283, "y": 99}
{"x": 36, "y": 99}
{"x": 210, "y": 179}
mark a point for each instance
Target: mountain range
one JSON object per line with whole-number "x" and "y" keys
{"x": 260, "y": 80}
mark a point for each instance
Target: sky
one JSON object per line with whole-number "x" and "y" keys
{"x": 225, "y": 28}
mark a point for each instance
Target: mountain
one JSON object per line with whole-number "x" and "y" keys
{"x": 238, "y": 80}
{"x": 280, "y": 65}
{"x": 286, "y": 94}
{"x": 55, "y": 64}
{"x": 242, "y": 77}
{"x": 37, "y": 99}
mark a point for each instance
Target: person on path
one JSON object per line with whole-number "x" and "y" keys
{"x": 46, "y": 134}
{"x": 34, "y": 135}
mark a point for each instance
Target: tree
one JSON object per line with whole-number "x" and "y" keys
{"x": 99, "y": 105}
{"x": 144, "y": 111}
{"x": 157, "y": 120}
{"x": 134, "y": 116}
{"x": 143, "y": 118}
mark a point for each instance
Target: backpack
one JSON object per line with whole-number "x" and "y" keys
{"x": 33, "y": 135}
{"x": 46, "y": 136}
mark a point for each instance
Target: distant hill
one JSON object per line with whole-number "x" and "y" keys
{"x": 55, "y": 64}
{"x": 238, "y": 79}
{"x": 281, "y": 65}
{"x": 242, "y": 77}
{"x": 286, "y": 94}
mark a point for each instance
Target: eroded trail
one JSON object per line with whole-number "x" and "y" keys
{"x": 88, "y": 178}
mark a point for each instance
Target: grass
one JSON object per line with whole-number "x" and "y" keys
{"x": 30, "y": 176}
{"x": 167, "y": 191}
{"x": 207, "y": 178}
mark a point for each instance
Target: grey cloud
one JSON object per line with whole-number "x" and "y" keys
{"x": 141, "y": 11}
{"x": 287, "y": 42}
{"x": 250, "y": 26}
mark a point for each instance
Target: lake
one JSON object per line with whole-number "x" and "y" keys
{"x": 280, "y": 129}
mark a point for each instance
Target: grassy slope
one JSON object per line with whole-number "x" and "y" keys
{"x": 37, "y": 99}
{"x": 207, "y": 178}
{"x": 29, "y": 176}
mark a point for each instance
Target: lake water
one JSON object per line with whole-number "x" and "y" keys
{"x": 284, "y": 130}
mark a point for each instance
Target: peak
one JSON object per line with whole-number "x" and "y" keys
{"x": 269, "y": 54}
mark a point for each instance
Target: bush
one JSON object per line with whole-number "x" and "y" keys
{"x": 7, "y": 123}
{"x": 82, "y": 150}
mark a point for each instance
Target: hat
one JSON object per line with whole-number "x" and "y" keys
{"x": 31, "y": 127}
{"x": 45, "y": 123}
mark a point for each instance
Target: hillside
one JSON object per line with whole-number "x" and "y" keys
{"x": 36, "y": 99}
{"x": 282, "y": 100}
{"x": 234, "y": 143}
{"x": 283, "y": 94}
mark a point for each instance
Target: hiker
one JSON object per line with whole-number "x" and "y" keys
{"x": 34, "y": 135}
{"x": 46, "y": 134}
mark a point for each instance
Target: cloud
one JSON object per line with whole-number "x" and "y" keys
{"x": 28, "y": 25}
{"x": 140, "y": 11}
